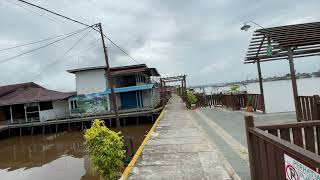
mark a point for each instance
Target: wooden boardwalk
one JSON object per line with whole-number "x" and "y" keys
{"x": 178, "y": 149}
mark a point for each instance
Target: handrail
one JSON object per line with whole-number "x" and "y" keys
{"x": 309, "y": 157}
{"x": 290, "y": 125}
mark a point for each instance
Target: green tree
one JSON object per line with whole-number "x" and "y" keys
{"x": 106, "y": 150}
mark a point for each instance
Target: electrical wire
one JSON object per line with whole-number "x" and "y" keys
{"x": 76, "y": 21}
{"x": 42, "y": 15}
{"x": 42, "y": 40}
{"x": 88, "y": 48}
{"x": 59, "y": 59}
{"x": 38, "y": 48}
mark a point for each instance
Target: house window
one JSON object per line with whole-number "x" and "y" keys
{"x": 74, "y": 104}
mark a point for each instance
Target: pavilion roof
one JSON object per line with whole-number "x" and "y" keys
{"x": 303, "y": 38}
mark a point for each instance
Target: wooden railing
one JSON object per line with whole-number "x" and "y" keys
{"x": 269, "y": 145}
{"x": 209, "y": 100}
{"x": 234, "y": 101}
{"x": 308, "y": 108}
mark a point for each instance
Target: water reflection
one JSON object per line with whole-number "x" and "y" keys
{"x": 51, "y": 157}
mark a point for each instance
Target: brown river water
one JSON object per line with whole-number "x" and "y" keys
{"x": 53, "y": 156}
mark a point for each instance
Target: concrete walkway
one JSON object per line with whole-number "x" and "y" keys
{"x": 180, "y": 149}
{"x": 227, "y": 130}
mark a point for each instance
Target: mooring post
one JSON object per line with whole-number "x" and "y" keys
{"x": 32, "y": 131}
{"x": 110, "y": 123}
{"x": 124, "y": 121}
{"x": 137, "y": 120}
{"x": 56, "y": 128}
{"x": 82, "y": 125}
{"x": 152, "y": 118}
{"x": 43, "y": 130}
{"x": 20, "y": 132}
{"x": 69, "y": 127}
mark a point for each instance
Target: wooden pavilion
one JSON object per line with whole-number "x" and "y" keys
{"x": 285, "y": 42}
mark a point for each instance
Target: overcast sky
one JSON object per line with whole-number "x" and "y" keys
{"x": 199, "y": 38}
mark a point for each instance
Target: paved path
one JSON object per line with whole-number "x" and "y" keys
{"x": 227, "y": 130}
{"x": 180, "y": 149}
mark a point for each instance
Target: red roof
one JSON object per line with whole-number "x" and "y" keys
{"x": 29, "y": 92}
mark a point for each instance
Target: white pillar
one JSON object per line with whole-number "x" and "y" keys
{"x": 11, "y": 117}
{"x": 39, "y": 110}
{"x": 69, "y": 103}
{"x": 25, "y": 113}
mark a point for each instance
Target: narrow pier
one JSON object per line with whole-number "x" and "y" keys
{"x": 178, "y": 149}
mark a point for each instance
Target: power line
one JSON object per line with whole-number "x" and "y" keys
{"x": 81, "y": 24}
{"x": 32, "y": 50}
{"x": 42, "y": 40}
{"x": 54, "y": 13}
{"x": 66, "y": 52}
{"x": 88, "y": 48}
{"x": 49, "y": 18}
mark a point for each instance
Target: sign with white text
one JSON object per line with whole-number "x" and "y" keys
{"x": 295, "y": 170}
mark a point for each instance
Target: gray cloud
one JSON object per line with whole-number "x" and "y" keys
{"x": 198, "y": 38}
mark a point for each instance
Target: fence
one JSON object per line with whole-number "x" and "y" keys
{"x": 209, "y": 100}
{"x": 273, "y": 148}
{"x": 308, "y": 108}
{"x": 234, "y": 101}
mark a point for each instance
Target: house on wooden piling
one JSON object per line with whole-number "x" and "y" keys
{"x": 135, "y": 90}
{"x": 30, "y": 102}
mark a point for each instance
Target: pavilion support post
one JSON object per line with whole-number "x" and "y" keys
{"x": 294, "y": 82}
{"x": 11, "y": 116}
{"x": 261, "y": 86}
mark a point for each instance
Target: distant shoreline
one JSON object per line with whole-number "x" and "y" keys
{"x": 251, "y": 81}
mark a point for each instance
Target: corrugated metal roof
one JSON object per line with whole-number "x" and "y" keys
{"x": 29, "y": 92}
{"x": 122, "y": 69}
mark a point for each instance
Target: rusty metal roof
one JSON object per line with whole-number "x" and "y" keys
{"x": 303, "y": 38}
{"x": 122, "y": 69}
{"x": 28, "y": 93}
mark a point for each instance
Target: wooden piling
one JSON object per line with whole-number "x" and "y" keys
{"x": 43, "y": 130}
{"x": 137, "y": 120}
{"x": 20, "y": 131}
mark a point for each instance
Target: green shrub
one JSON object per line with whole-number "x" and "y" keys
{"x": 234, "y": 88}
{"x": 106, "y": 150}
{"x": 192, "y": 99}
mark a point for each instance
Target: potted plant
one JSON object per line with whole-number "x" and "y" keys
{"x": 249, "y": 107}
{"x": 192, "y": 100}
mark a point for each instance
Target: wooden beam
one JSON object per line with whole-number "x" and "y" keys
{"x": 294, "y": 81}
{"x": 261, "y": 86}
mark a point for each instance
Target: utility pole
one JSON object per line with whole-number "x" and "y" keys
{"x": 110, "y": 82}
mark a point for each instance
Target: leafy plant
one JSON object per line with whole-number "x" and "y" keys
{"x": 106, "y": 150}
{"x": 192, "y": 99}
{"x": 234, "y": 88}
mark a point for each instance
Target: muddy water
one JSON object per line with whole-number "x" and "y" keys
{"x": 53, "y": 156}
